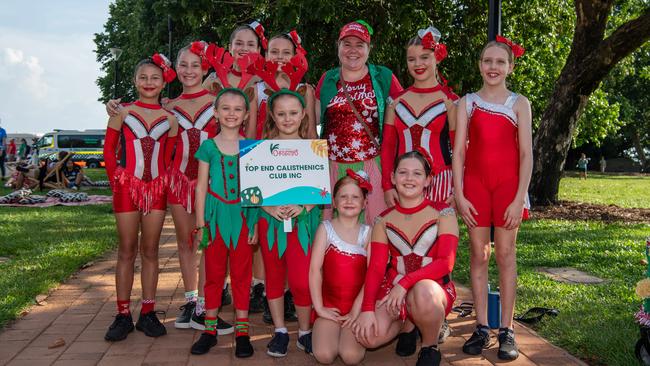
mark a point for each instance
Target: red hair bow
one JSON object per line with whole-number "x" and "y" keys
{"x": 361, "y": 177}
{"x": 430, "y": 40}
{"x": 199, "y": 48}
{"x": 259, "y": 30}
{"x": 297, "y": 41}
{"x": 163, "y": 62}
{"x": 425, "y": 154}
{"x": 517, "y": 50}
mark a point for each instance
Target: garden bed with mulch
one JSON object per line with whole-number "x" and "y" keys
{"x": 568, "y": 210}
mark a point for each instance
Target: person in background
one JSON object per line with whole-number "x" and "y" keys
{"x": 3, "y": 151}
{"x": 603, "y": 164}
{"x": 22, "y": 150}
{"x": 72, "y": 174}
{"x": 583, "y": 162}
{"x": 11, "y": 150}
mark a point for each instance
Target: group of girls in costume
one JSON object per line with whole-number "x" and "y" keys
{"x": 378, "y": 265}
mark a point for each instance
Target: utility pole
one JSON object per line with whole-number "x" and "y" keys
{"x": 494, "y": 19}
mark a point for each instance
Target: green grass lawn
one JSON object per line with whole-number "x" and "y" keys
{"x": 607, "y": 189}
{"x": 45, "y": 246}
{"x": 596, "y": 322}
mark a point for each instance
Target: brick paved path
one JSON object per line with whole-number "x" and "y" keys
{"x": 80, "y": 310}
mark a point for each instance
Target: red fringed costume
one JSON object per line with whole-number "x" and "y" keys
{"x": 411, "y": 257}
{"x": 139, "y": 182}
{"x": 192, "y": 131}
{"x": 427, "y": 128}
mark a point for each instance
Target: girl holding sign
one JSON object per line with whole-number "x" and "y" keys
{"x": 337, "y": 272}
{"x": 227, "y": 230}
{"x": 492, "y": 168}
{"x": 286, "y": 254}
{"x": 139, "y": 182}
{"x": 417, "y": 240}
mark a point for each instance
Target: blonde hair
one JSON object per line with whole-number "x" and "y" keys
{"x": 270, "y": 130}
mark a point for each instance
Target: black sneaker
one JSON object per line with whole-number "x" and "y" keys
{"x": 226, "y": 299}
{"x": 150, "y": 325}
{"x": 407, "y": 343}
{"x": 429, "y": 356}
{"x": 203, "y": 345}
{"x": 304, "y": 343}
{"x": 278, "y": 345}
{"x": 198, "y": 321}
{"x": 243, "y": 347}
{"x": 256, "y": 302}
{"x": 121, "y": 327}
{"x": 445, "y": 331}
{"x": 479, "y": 341}
{"x": 289, "y": 308}
{"x": 223, "y": 327}
{"x": 183, "y": 319}
{"x": 267, "y": 318}
{"x": 507, "y": 346}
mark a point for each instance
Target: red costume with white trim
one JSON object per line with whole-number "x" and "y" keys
{"x": 192, "y": 131}
{"x": 491, "y": 175}
{"x": 344, "y": 269}
{"x": 425, "y": 255}
{"x": 428, "y": 128}
{"x": 139, "y": 182}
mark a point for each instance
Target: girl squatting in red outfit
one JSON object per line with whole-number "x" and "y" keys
{"x": 412, "y": 254}
{"x": 492, "y": 166}
{"x": 146, "y": 134}
{"x": 337, "y": 272}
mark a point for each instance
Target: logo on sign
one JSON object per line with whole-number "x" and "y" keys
{"x": 277, "y": 151}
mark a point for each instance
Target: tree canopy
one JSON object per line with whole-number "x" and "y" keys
{"x": 546, "y": 28}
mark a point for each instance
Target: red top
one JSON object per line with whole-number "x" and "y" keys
{"x": 348, "y": 140}
{"x": 426, "y": 255}
{"x": 192, "y": 131}
{"x": 427, "y": 128}
{"x": 143, "y": 145}
{"x": 493, "y": 146}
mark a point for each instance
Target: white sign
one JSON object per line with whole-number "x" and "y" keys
{"x": 284, "y": 172}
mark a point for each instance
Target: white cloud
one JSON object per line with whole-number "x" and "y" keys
{"x": 25, "y": 73}
{"x": 48, "y": 69}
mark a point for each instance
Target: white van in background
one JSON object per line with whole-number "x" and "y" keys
{"x": 86, "y": 146}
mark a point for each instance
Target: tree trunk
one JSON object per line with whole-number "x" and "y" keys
{"x": 589, "y": 61}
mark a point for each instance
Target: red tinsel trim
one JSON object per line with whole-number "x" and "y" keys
{"x": 183, "y": 189}
{"x": 143, "y": 194}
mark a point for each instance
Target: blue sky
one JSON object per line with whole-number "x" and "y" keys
{"x": 47, "y": 65}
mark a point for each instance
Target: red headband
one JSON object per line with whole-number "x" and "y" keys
{"x": 222, "y": 61}
{"x": 259, "y": 30}
{"x": 296, "y": 68}
{"x": 163, "y": 62}
{"x": 431, "y": 41}
{"x": 297, "y": 41}
{"x": 425, "y": 154}
{"x": 361, "y": 177}
{"x": 517, "y": 50}
{"x": 199, "y": 48}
